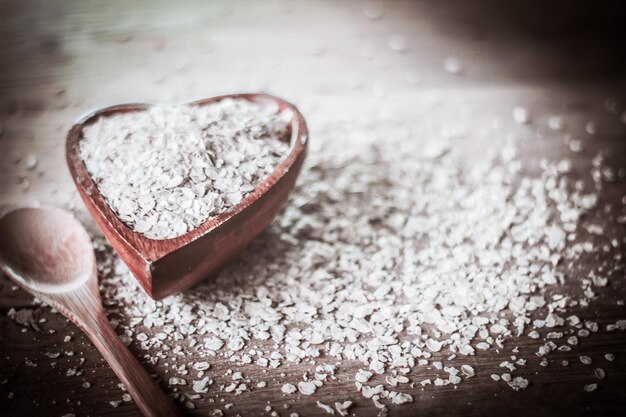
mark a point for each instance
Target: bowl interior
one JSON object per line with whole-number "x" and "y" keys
{"x": 152, "y": 249}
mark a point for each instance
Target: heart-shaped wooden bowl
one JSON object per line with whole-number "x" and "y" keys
{"x": 164, "y": 267}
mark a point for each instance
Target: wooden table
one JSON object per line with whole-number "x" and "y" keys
{"x": 61, "y": 59}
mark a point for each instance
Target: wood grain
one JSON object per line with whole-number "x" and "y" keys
{"x": 335, "y": 64}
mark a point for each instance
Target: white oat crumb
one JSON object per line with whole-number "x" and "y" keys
{"x": 325, "y": 407}
{"x": 306, "y": 388}
{"x": 599, "y": 373}
{"x": 520, "y": 115}
{"x": 289, "y": 389}
{"x": 591, "y": 387}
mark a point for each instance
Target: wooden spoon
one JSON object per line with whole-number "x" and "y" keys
{"x": 49, "y": 254}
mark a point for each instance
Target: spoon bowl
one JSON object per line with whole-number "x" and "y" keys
{"x": 43, "y": 255}
{"x": 47, "y": 252}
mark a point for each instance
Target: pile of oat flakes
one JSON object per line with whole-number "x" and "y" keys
{"x": 167, "y": 170}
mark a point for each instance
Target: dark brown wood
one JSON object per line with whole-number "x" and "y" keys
{"x": 49, "y": 254}
{"x": 164, "y": 267}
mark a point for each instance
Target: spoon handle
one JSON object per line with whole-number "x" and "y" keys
{"x": 150, "y": 399}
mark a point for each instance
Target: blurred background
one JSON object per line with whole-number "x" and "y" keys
{"x": 369, "y": 60}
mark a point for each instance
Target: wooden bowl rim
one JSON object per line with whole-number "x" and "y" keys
{"x": 153, "y": 249}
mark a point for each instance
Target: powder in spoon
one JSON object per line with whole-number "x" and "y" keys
{"x": 167, "y": 170}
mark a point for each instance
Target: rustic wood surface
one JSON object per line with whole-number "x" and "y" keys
{"x": 59, "y": 60}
